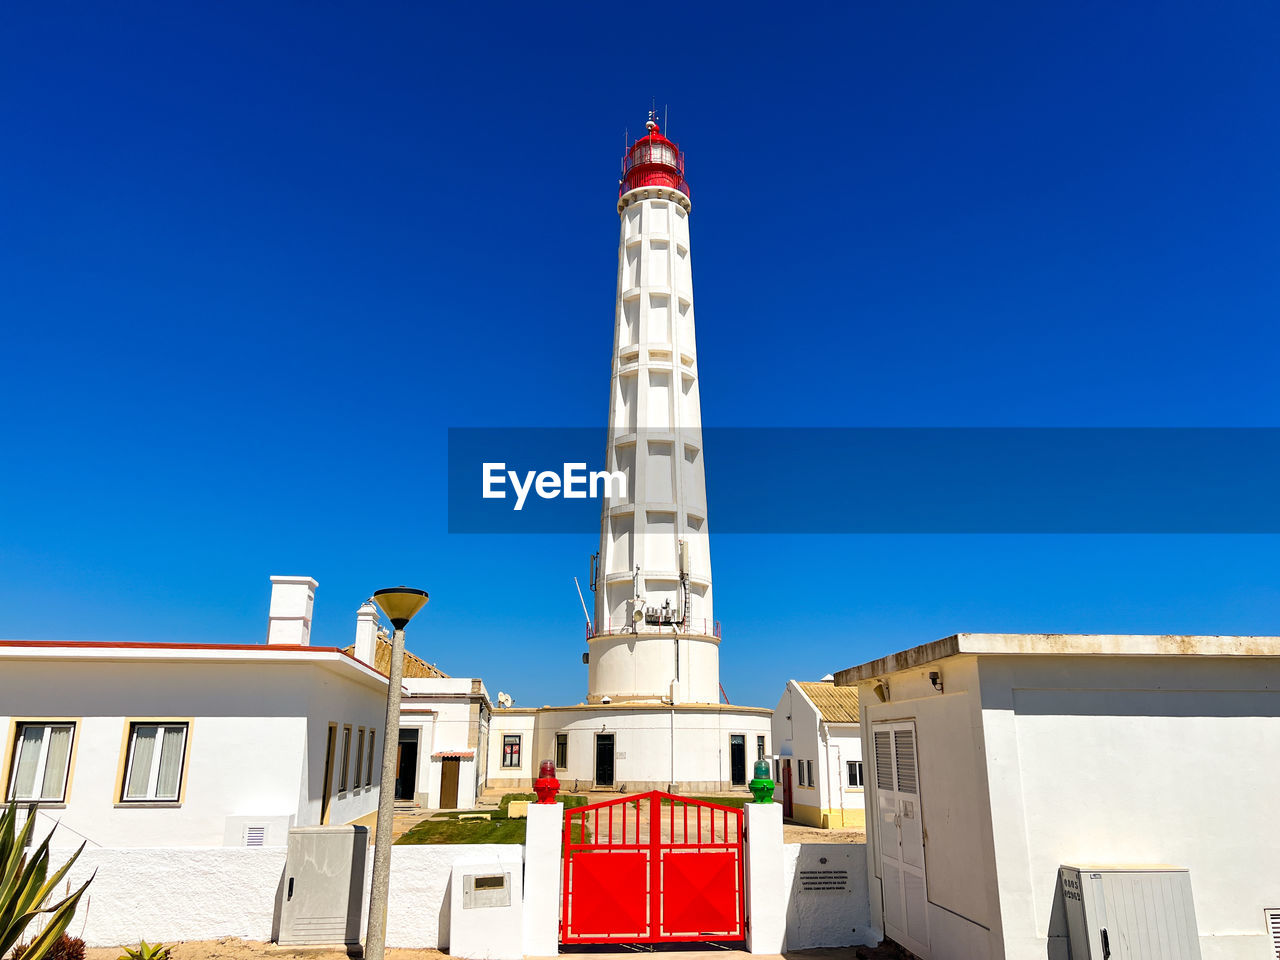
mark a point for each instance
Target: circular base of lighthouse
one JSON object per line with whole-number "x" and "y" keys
{"x": 654, "y": 667}
{"x": 688, "y": 748}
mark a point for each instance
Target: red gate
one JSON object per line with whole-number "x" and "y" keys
{"x": 653, "y": 867}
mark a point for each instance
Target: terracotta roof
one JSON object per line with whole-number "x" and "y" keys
{"x": 835, "y": 704}
{"x": 414, "y": 667}
{"x": 453, "y": 754}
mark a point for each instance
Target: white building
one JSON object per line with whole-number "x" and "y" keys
{"x": 818, "y": 770}
{"x": 652, "y": 718}
{"x": 999, "y": 758}
{"x": 158, "y": 744}
{"x": 442, "y": 759}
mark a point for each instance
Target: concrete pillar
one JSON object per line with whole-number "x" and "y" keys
{"x": 766, "y": 885}
{"x": 289, "y": 618}
{"x": 367, "y": 633}
{"x": 543, "y": 835}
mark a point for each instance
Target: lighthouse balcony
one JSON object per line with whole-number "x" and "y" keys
{"x": 708, "y": 629}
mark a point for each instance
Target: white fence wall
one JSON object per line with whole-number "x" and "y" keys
{"x": 167, "y": 894}
{"x": 206, "y": 893}
{"x": 838, "y": 916}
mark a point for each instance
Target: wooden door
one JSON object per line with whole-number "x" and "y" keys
{"x": 449, "y": 769}
{"x": 604, "y": 759}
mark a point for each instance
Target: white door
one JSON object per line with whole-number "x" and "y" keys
{"x": 901, "y": 836}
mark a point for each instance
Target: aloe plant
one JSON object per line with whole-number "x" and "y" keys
{"x": 145, "y": 951}
{"x": 25, "y": 888}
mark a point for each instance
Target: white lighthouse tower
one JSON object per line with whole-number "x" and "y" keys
{"x": 655, "y": 633}
{"x": 654, "y": 716}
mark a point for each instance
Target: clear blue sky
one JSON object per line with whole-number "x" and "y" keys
{"x": 255, "y": 259}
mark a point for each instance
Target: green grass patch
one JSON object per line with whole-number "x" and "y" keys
{"x": 569, "y": 800}
{"x": 465, "y": 831}
{"x": 500, "y": 828}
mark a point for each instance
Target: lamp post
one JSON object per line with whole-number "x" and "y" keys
{"x": 399, "y": 604}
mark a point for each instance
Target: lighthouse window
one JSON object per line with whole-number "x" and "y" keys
{"x": 511, "y": 750}
{"x": 759, "y": 748}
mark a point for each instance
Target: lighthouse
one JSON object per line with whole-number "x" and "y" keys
{"x": 655, "y": 635}
{"x": 655, "y": 716}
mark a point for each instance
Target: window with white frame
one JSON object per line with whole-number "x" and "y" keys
{"x": 809, "y": 772}
{"x": 759, "y": 748}
{"x": 854, "y": 772}
{"x": 511, "y": 750}
{"x": 368, "y": 777}
{"x": 800, "y": 773}
{"x": 41, "y": 759}
{"x": 153, "y": 768}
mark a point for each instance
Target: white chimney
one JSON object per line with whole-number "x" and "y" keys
{"x": 289, "y": 619}
{"x": 367, "y": 632}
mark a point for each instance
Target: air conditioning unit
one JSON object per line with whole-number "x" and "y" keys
{"x": 1130, "y": 912}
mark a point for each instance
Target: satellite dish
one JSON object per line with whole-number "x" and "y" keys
{"x": 637, "y": 615}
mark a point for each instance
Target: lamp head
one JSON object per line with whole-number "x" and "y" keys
{"x": 400, "y": 604}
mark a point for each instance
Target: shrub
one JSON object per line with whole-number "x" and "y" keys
{"x": 26, "y": 887}
{"x": 145, "y": 951}
{"x": 64, "y": 948}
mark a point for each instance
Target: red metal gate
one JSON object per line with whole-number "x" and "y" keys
{"x": 649, "y": 868}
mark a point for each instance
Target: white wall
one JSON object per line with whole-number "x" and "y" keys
{"x": 1138, "y": 760}
{"x": 959, "y": 857}
{"x": 827, "y": 918}
{"x": 255, "y": 743}
{"x": 164, "y": 895}
{"x": 207, "y": 894}
{"x": 506, "y": 723}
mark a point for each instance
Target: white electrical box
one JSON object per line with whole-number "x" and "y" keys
{"x": 1129, "y": 912}
{"x": 486, "y": 909}
{"x": 323, "y": 896}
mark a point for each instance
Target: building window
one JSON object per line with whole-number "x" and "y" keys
{"x": 809, "y": 772}
{"x": 777, "y": 770}
{"x": 368, "y": 777}
{"x": 562, "y": 750}
{"x": 346, "y": 758}
{"x": 511, "y": 749}
{"x": 41, "y": 758}
{"x": 153, "y": 769}
{"x": 355, "y": 781}
{"x": 855, "y": 772}
{"x": 759, "y": 748}
{"x": 800, "y": 773}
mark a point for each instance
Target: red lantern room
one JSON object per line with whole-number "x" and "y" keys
{"x": 653, "y": 161}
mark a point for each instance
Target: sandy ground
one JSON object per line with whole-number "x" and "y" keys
{"x": 799, "y": 833}
{"x": 232, "y": 949}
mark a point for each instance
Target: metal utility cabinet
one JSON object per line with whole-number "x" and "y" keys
{"x": 1123, "y": 912}
{"x": 322, "y": 899}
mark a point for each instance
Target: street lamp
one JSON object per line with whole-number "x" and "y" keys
{"x": 399, "y": 604}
